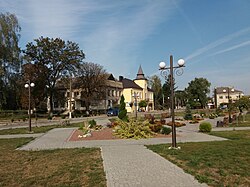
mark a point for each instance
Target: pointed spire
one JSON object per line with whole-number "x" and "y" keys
{"x": 140, "y": 74}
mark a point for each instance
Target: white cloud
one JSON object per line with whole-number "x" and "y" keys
{"x": 115, "y": 40}
{"x": 232, "y": 48}
{"x": 110, "y": 32}
{"x": 216, "y": 43}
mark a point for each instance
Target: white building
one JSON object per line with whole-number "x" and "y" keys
{"x": 223, "y": 95}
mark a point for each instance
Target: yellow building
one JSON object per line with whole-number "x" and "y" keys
{"x": 137, "y": 90}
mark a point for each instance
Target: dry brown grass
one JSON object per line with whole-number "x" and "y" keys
{"x": 64, "y": 167}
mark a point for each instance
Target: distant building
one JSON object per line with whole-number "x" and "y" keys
{"x": 134, "y": 91}
{"x": 137, "y": 90}
{"x": 223, "y": 95}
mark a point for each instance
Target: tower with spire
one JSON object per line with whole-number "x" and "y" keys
{"x": 142, "y": 82}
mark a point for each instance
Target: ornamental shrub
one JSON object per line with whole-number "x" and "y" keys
{"x": 166, "y": 130}
{"x": 92, "y": 123}
{"x": 205, "y": 127}
{"x": 122, "y": 110}
{"x": 188, "y": 113}
{"x": 156, "y": 127}
{"x": 133, "y": 129}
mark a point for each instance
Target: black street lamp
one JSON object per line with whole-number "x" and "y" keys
{"x": 171, "y": 70}
{"x": 29, "y": 85}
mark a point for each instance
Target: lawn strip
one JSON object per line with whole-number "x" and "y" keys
{"x": 37, "y": 129}
{"x": 61, "y": 167}
{"x": 218, "y": 163}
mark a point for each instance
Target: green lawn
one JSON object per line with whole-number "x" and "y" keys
{"x": 41, "y": 129}
{"x": 218, "y": 163}
{"x": 62, "y": 167}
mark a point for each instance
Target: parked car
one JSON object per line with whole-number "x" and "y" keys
{"x": 113, "y": 112}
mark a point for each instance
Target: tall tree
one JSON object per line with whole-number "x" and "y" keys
{"x": 243, "y": 103}
{"x": 54, "y": 59}
{"x": 197, "y": 91}
{"x": 91, "y": 78}
{"x": 38, "y": 97}
{"x": 122, "y": 110}
{"x": 155, "y": 85}
{"x": 180, "y": 98}
{"x": 9, "y": 60}
{"x": 166, "y": 89}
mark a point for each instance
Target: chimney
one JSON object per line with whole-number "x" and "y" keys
{"x": 120, "y": 78}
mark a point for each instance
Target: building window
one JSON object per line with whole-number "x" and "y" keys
{"x": 221, "y": 97}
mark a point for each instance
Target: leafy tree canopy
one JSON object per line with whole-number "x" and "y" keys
{"x": 197, "y": 91}
{"x": 156, "y": 86}
{"x": 9, "y": 60}
{"x": 54, "y": 59}
{"x": 243, "y": 103}
{"x": 91, "y": 78}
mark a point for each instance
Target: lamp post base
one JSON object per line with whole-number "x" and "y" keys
{"x": 176, "y": 148}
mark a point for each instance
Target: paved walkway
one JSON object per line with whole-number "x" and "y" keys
{"x": 136, "y": 166}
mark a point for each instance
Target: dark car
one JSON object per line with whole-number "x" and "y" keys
{"x": 113, "y": 112}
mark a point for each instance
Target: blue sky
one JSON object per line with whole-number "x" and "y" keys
{"x": 213, "y": 36}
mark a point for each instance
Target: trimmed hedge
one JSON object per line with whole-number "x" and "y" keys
{"x": 205, "y": 127}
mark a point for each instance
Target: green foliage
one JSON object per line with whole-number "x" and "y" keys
{"x": 166, "y": 89}
{"x": 143, "y": 103}
{"x": 205, "y": 127}
{"x": 197, "y": 91}
{"x": 212, "y": 116}
{"x": 91, "y": 78}
{"x": 133, "y": 129}
{"x": 122, "y": 110}
{"x": 10, "y": 61}
{"x": 243, "y": 103}
{"x": 92, "y": 123}
{"x": 166, "y": 130}
{"x": 155, "y": 84}
{"x": 53, "y": 59}
{"x": 188, "y": 113}
{"x": 218, "y": 111}
{"x": 83, "y": 128}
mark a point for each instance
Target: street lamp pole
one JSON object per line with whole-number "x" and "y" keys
{"x": 171, "y": 70}
{"x": 29, "y": 85}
